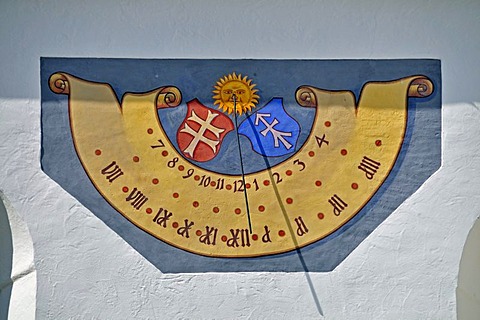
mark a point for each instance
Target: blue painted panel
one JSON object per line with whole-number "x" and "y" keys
{"x": 420, "y": 155}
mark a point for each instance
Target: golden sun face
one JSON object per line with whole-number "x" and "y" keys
{"x": 235, "y": 94}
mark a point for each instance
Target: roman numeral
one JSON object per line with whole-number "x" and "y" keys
{"x": 112, "y": 171}
{"x": 301, "y": 227}
{"x": 338, "y": 204}
{"x": 369, "y": 166}
{"x": 137, "y": 198}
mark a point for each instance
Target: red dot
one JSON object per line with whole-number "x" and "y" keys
{"x": 216, "y": 210}
{"x": 175, "y": 225}
{"x": 125, "y": 189}
{"x": 197, "y": 177}
{"x": 254, "y": 237}
{"x": 164, "y": 153}
{"x": 195, "y": 204}
{"x": 149, "y": 210}
{"x": 343, "y": 152}
{"x": 175, "y": 195}
{"x": 228, "y": 187}
{"x": 136, "y": 159}
{"x": 155, "y": 181}
{"x": 289, "y": 200}
{"x": 328, "y": 124}
{"x": 238, "y": 211}
{"x": 213, "y": 183}
{"x": 288, "y": 172}
{"x": 378, "y": 143}
{"x": 224, "y": 238}
{"x": 181, "y": 168}
{"x": 248, "y": 185}
{"x": 320, "y": 216}
{"x": 266, "y": 182}
{"x": 149, "y": 130}
{"x": 198, "y": 233}
{"x": 318, "y": 183}
{"x": 261, "y": 208}
{"x": 281, "y": 233}
{"x": 311, "y": 153}
{"x": 98, "y": 152}
{"x": 354, "y": 186}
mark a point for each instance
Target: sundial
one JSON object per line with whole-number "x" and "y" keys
{"x": 253, "y": 165}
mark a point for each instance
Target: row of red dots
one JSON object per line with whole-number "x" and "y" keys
{"x": 196, "y": 204}
{"x": 343, "y": 152}
{"x": 237, "y": 211}
{"x": 213, "y": 183}
{"x": 354, "y": 185}
{"x": 98, "y": 152}
{"x": 224, "y": 238}
{"x": 261, "y": 208}
{"x": 281, "y": 233}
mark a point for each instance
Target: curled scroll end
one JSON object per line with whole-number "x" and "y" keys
{"x": 306, "y": 97}
{"x": 59, "y": 83}
{"x": 420, "y": 88}
{"x": 169, "y": 97}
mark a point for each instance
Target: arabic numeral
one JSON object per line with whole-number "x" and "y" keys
{"x": 172, "y": 163}
{"x": 238, "y": 186}
{"x": 159, "y": 145}
{"x": 220, "y": 183}
{"x": 277, "y": 177}
{"x": 256, "y": 184}
{"x": 300, "y": 163}
{"x": 205, "y": 181}
{"x": 189, "y": 173}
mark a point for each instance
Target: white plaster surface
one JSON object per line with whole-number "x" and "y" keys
{"x": 406, "y": 269}
{"x": 468, "y": 289}
{"x": 23, "y": 275}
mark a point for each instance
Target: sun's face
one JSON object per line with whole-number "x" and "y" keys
{"x": 235, "y": 94}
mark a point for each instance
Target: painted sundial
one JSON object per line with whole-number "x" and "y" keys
{"x": 241, "y": 164}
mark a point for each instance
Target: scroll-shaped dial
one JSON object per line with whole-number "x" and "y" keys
{"x": 347, "y": 156}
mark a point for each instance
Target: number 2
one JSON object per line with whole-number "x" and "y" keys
{"x": 277, "y": 177}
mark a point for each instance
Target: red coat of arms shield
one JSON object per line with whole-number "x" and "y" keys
{"x": 201, "y": 133}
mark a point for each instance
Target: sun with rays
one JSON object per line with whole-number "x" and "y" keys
{"x": 234, "y": 92}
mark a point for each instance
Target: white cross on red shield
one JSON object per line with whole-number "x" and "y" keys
{"x": 201, "y": 133}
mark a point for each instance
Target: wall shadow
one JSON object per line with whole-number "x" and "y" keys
{"x": 6, "y": 260}
{"x": 468, "y": 287}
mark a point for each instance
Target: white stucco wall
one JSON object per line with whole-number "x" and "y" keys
{"x": 468, "y": 290}
{"x": 20, "y": 278}
{"x": 406, "y": 269}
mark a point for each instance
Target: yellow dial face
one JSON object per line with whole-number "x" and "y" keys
{"x": 346, "y": 157}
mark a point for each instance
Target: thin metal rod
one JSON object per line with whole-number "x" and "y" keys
{"x": 241, "y": 164}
